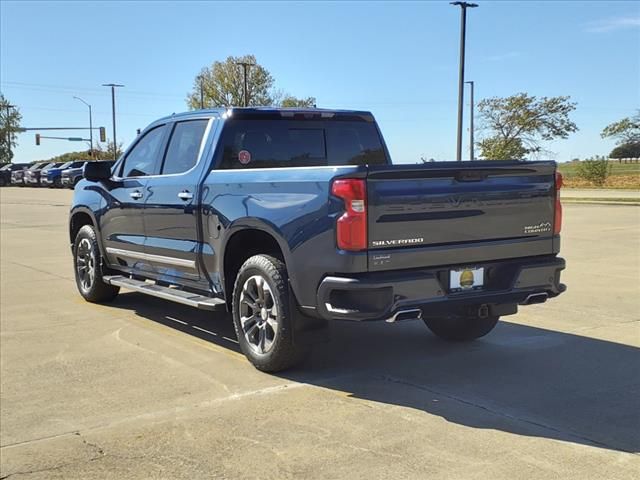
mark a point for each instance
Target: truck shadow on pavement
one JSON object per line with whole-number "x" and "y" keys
{"x": 519, "y": 379}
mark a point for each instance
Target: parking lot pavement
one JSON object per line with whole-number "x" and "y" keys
{"x": 143, "y": 388}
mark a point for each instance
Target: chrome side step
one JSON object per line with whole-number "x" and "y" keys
{"x": 168, "y": 293}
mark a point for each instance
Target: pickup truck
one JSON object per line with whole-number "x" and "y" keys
{"x": 71, "y": 176}
{"x": 290, "y": 219}
{"x": 52, "y": 177}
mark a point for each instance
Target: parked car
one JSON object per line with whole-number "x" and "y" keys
{"x": 72, "y": 176}
{"x": 17, "y": 176}
{"x": 290, "y": 219}
{"x": 33, "y": 174}
{"x": 7, "y": 170}
{"x": 52, "y": 177}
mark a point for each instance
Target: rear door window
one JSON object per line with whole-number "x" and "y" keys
{"x": 273, "y": 143}
{"x": 184, "y": 146}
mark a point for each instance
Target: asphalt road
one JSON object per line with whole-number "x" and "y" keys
{"x": 143, "y": 388}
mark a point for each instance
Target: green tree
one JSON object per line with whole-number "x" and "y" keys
{"x": 498, "y": 148}
{"x": 9, "y": 126}
{"x": 519, "y": 124}
{"x": 291, "y": 101}
{"x": 104, "y": 151}
{"x": 626, "y": 150}
{"x": 222, "y": 84}
{"x": 625, "y": 131}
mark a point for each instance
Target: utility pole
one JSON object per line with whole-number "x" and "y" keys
{"x": 90, "y": 126}
{"x": 201, "y": 92}
{"x": 7, "y": 126}
{"x": 245, "y": 66}
{"x": 463, "y": 27}
{"x": 113, "y": 114}
{"x": 471, "y": 121}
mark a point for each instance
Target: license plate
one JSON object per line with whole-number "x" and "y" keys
{"x": 466, "y": 279}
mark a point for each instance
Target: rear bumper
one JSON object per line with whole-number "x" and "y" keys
{"x": 381, "y": 295}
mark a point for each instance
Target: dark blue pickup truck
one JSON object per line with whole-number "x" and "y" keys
{"x": 290, "y": 219}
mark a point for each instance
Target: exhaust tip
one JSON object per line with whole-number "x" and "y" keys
{"x": 404, "y": 315}
{"x": 535, "y": 298}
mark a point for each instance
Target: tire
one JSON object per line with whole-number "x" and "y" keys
{"x": 57, "y": 183}
{"x": 3, "y": 182}
{"x": 461, "y": 328}
{"x": 87, "y": 266}
{"x": 262, "y": 314}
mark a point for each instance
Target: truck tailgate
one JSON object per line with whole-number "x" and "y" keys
{"x": 459, "y": 213}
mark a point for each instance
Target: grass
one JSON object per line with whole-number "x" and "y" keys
{"x": 623, "y": 175}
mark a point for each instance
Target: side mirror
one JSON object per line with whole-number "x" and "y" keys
{"x": 97, "y": 171}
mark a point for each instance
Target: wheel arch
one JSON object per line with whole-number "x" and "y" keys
{"x": 244, "y": 241}
{"x": 79, "y": 217}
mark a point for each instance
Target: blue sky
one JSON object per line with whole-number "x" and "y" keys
{"x": 396, "y": 59}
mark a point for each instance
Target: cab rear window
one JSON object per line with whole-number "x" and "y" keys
{"x": 273, "y": 143}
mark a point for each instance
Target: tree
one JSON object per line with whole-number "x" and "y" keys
{"x": 626, "y": 150}
{"x": 9, "y": 127}
{"x": 291, "y": 101}
{"x": 104, "y": 151}
{"x": 498, "y": 148}
{"x": 222, "y": 84}
{"x": 625, "y": 131}
{"x": 520, "y": 123}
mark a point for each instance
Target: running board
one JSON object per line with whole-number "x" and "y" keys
{"x": 168, "y": 293}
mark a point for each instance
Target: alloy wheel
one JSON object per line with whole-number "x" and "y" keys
{"x": 258, "y": 314}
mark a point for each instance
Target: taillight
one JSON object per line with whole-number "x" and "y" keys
{"x": 351, "y": 228}
{"x": 557, "y": 224}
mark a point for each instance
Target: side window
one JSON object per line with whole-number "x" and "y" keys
{"x": 184, "y": 146}
{"x": 143, "y": 159}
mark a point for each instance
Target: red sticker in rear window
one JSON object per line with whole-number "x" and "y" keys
{"x": 244, "y": 157}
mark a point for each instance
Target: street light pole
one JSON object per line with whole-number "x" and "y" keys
{"x": 201, "y": 92}
{"x": 90, "y": 126}
{"x": 463, "y": 27}
{"x": 245, "y": 66}
{"x": 471, "y": 153}
{"x": 113, "y": 114}
{"x": 7, "y": 126}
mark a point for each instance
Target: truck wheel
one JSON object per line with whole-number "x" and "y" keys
{"x": 88, "y": 268}
{"x": 262, "y": 316}
{"x": 460, "y": 328}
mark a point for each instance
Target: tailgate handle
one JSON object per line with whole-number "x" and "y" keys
{"x": 468, "y": 176}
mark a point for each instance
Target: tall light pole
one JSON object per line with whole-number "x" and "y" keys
{"x": 471, "y": 121}
{"x": 201, "y": 80}
{"x": 113, "y": 114}
{"x": 8, "y": 127}
{"x": 90, "y": 126}
{"x": 245, "y": 66}
{"x": 463, "y": 27}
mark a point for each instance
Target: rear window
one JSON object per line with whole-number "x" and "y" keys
{"x": 272, "y": 143}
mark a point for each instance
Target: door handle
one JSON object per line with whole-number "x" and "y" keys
{"x": 136, "y": 195}
{"x": 185, "y": 195}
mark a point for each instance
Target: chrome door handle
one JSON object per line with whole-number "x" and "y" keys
{"x": 185, "y": 195}
{"x": 136, "y": 195}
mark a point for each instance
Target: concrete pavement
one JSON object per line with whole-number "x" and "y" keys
{"x": 144, "y": 388}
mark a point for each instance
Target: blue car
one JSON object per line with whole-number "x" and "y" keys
{"x": 53, "y": 176}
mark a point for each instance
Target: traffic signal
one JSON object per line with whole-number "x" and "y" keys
{"x": 103, "y": 134}
{"x": 37, "y": 139}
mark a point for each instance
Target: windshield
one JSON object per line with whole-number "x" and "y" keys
{"x": 6, "y": 167}
{"x": 66, "y": 165}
